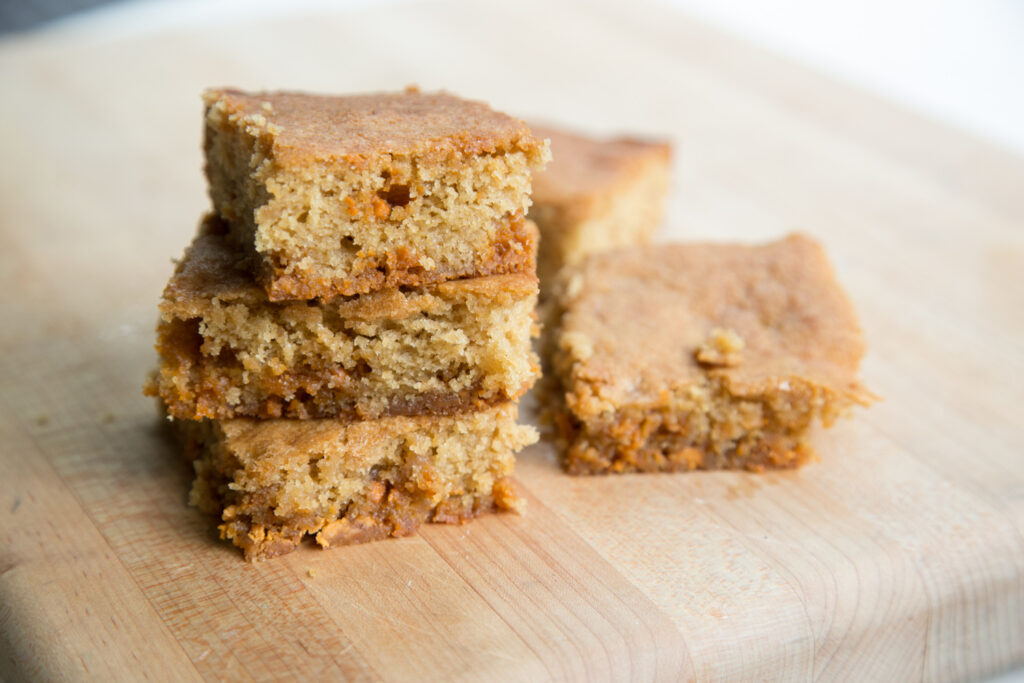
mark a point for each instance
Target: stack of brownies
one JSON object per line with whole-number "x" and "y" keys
{"x": 344, "y": 342}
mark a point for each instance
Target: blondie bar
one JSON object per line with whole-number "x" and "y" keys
{"x": 226, "y": 351}
{"x": 678, "y": 357}
{"x": 272, "y": 482}
{"x": 596, "y": 195}
{"x": 346, "y": 195}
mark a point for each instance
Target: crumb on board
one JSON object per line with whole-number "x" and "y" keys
{"x": 311, "y": 573}
{"x": 43, "y": 420}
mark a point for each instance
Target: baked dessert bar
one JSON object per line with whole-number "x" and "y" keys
{"x": 596, "y": 195}
{"x": 347, "y": 195}
{"x": 679, "y": 357}
{"x": 226, "y": 351}
{"x": 272, "y": 482}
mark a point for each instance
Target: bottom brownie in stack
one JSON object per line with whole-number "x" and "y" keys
{"x": 275, "y": 481}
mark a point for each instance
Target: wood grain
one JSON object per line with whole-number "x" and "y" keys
{"x": 900, "y": 556}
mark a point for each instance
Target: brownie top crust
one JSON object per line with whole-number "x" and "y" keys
{"x": 211, "y": 269}
{"x": 357, "y": 128}
{"x": 648, "y": 322}
{"x": 581, "y": 166}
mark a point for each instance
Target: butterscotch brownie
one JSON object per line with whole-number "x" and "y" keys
{"x": 226, "y": 351}
{"x": 346, "y": 195}
{"x": 678, "y": 357}
{"x": 595, "y": 195}
{"x": 274, "y": 481}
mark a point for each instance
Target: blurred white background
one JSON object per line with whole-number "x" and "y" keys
{"x": 959, "y": 61}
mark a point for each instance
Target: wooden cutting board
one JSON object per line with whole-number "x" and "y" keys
{"x": 899, "y": 556}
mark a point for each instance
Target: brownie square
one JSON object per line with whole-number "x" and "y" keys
{"x": 704, "y": 356}
{"x": 596, "y": 195}
{"x": 227, "y": 351}
{"x": 273, "y": 482}
{"x": 351, "y": 194}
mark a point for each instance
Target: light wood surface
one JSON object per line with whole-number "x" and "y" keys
{"x": 899, "y": 556}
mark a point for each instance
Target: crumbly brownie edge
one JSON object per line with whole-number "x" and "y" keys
{"x": 708, "y": 429}
{"x": 200, "y": 391}
{"x": 224, "y": 382}
{"x": 382, "y": 509}
{"x": 387, "y": 511}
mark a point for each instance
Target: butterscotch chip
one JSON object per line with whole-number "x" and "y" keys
{"x": 722, "y": 347}
{"x": 347, "y": 195}
{"x": 596, "y": 195}
{"x": 273, "y": 482}
{"x": 226, "y": 351}
{"x": 679, "y": 357}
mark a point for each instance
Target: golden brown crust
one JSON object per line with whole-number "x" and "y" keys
{"x": 686, "y": 356}
{"x": 355, "y": 128}
{"x": 582, "y": 167}
{"x": 645, "y": 310}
